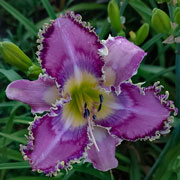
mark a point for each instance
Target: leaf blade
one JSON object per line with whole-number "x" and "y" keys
{"x": 21, "y": 18}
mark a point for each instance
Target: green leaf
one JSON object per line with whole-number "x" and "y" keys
{"x": 37, "y": 177}
{"x": 86, "y": 6}
{"x": 164, "y": 164}
{"x": 135, "y": 168}
{"x": 10, "y": 74}
{"x": 9, "y": 124}
{"x": 92, "y": 171}
{"x": 19, "y": 133}
{"x": 49, "y": 9}
{"x": 21, "y": 18}
{"x": 104, "y": 29}
{"x": 123, "y": 158}
{"x": 169, "y": 166}
{"x": 31, "y": 178}
{"x": 8, "y": 104}
{"x": 142, "y": 9}
{"x": 123, "y": 168}
{"x": 11, "y": 154}
{"x": 18, "y": 120}
{"x": 178, "y": 77}
{"x": 67, "y": 176}
{"x": 14, "y": 165}
{"x": 167, "y": 70}
{"x": 14, "y": 138}
{"x": 123, "y": 7}
{"x": 151, "y": 72}
{"x": 150, "y": 42}
{"x": 76, "y": 8}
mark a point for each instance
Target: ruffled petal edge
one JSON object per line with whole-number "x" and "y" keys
{"x": 165, "y": 126}
{"x": 163, "y": 98}
{"x": 52, "y": 171}
{"x": 47, "y": 30}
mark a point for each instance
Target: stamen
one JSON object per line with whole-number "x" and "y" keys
{"x": 99, "y": 108}
{"x": 85, "y": 105}
{"x": 86, "y": 113}
{"x": 101, "y": 98}
{"x": 101, "y": 101}
{"x": 92, "y": 136}
{"x": 94, "y": 116}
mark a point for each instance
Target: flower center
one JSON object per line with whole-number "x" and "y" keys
{"x": 87, "y": 98}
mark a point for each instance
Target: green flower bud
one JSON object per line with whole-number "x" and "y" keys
{"x": 13, "y": 55}
{"x": 34, "y": 71}
{"x": 160, "y": 21}
{"x": 132, "y": 35}
{"x": 114, "y": 15}
{"x": 142, "y": 34}
{"x": 177, "y": 15}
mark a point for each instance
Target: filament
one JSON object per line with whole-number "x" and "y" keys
{"x": 92, "y": 136}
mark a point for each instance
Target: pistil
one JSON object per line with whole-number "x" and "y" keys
{"x": 87, "y": 116}
{"x": 91, "y": 134}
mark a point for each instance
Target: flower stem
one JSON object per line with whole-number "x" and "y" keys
{"x": 178, "y": 76}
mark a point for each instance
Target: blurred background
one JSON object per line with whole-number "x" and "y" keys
{"x": 20, "y": 21}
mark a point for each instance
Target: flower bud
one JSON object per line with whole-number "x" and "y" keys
{"x": 160, "y": 21}
{"x": 13, "y": 55}
{"x": 114, "y": 15}
{"x": 132, "y": 35}
{"x": 142, "y": 34}
{"x": 34, "y": 71}
{"x": 177, "y": 15}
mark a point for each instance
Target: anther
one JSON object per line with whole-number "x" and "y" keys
{"x": 85, "y": 105}
{"x": 101, "y": 98}
{"x": 99, "y": 108}
{"x": 94, "y": 116}
{"x": 86, "y": 113}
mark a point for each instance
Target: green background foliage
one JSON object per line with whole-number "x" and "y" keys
{"x": 20, "y": 21}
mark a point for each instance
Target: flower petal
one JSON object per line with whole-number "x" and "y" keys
{"x": 39, "y": 94}
{"x": 67, "y": 45}
{"x": 103, "y": 160}
{"x": 122, "y": 61}
{"x": 139, "y": 113}
{"x": 54, "y": 142}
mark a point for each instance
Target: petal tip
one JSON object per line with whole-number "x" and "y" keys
{"x": 12, "y": 91}
{"x": 57, "y": 34}
{"x": 34, "y": 148}
{"x": 123, "y": 57}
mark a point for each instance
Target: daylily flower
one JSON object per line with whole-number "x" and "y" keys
{"x": 90, "y": 104}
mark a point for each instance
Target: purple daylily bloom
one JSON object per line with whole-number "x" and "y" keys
{"x": 91, "y": 104}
